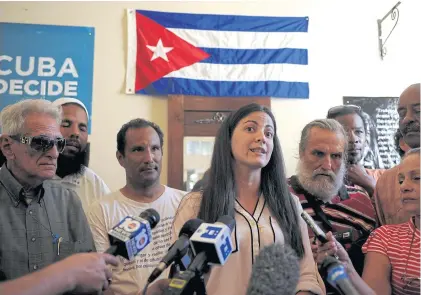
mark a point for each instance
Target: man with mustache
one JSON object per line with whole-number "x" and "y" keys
{"x": 319, "y": 184}
{"x": 139, "y": 152}
{"x": 387, "y": 196}
{"x": 351, "y": 118}
{"x": 72, "y": 170}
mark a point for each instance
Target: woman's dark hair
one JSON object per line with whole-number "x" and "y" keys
{"x": 200, "y": 185}
{"x": 220, "y": 192}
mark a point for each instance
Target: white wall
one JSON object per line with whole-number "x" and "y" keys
{"x": 343, "y": 57}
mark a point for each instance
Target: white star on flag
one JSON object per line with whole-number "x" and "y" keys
{"x": 159, "y": 50}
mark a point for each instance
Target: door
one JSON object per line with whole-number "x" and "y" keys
{"x": 193, "y": 122}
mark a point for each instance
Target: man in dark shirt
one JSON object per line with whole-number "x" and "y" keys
{"x": 41, "y": 222}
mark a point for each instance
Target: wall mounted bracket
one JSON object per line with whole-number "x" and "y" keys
{"x": 394, "y": 17}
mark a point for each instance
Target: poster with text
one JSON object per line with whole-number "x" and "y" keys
{"x": 46, "y": 61}
{"x": 381, "y": 122}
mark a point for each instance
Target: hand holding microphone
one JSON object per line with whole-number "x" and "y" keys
{"x": 336, "y": 270}
{"x": 78, "y": 273}
{"x": 333, "y": 248}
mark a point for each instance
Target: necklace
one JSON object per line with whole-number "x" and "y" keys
{"x": 410, "y": 281}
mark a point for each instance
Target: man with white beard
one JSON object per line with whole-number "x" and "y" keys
{"x": 345, "y": 211}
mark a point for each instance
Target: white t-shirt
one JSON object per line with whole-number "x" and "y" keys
{"x": 88, "y": 186}
{"x": 130, "y": 276}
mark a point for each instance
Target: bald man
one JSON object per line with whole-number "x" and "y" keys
{"x": 387, "y": 196}
{"x": 72, "y": 167}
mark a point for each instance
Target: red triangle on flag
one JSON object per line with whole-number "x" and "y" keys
{"x": 155, "y": 44}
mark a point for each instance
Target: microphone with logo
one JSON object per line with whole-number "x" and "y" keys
{"x": 211, "y": 244}
{"x": 178, "y": 249}
{"x": 132, "y": 234}
{"x": 334, "y": 272}
{"x": 276, "y": 271}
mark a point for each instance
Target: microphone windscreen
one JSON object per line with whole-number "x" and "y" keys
{"x": 152, "y": 216}
{"x": 190, "y": 227}
{"x": 276, "y": 271}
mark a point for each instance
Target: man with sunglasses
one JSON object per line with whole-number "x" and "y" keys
{"x": 351, "y": 118}
{"x": 41, "y": 222}
{"x": 72, "y": 170}
{"x": 387, "y": 195}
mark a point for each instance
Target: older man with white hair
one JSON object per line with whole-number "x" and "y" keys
{"x": 319, "y": 184}
{"x": 72, "y": 166}
{"x": 41, "y": 222}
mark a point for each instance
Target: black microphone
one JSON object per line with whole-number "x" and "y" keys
{"x": 211, "y": 243}
{"x": 276, "y": 271}
{"x": 132, "y": 234}
{"x": 178, "y": 249}
{"x": 334, "y": 272}
{"x": 321, "y": 236}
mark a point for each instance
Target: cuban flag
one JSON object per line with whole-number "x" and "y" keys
{"x": 216, "y": 55}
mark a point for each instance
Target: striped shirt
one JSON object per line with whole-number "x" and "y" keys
{"x": 401, "y": 244}
{"x": 350, "y": 217}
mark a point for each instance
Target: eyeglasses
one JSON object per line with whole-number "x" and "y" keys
{"x": 333, "y": 112}
{"x": 41, "y": 143}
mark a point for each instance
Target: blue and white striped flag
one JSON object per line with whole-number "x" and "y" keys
{"x": 217, "y": 55}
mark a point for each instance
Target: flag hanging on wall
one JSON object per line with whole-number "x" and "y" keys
{"x": 216, "y": 55}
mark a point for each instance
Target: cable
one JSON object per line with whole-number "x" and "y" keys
{"x": 145, "y": 289}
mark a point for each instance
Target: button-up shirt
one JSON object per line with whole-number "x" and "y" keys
{"x": 251, "y": 233}
{"x": 48, "y": 229}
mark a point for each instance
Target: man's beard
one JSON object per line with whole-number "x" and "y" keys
{"x": 71, "y": 165}
{"x": 323, "y": 187}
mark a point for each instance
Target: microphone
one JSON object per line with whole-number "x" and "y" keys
{"x": 132, "y": 234}
{"x": 337, "y": 277}
{"x": 211, "y": 244}
{"x": 214, "y": 240}
{"x": 276, "y": 271}
{"x": 321, "y": 236}
{"x": 178, "y": 249}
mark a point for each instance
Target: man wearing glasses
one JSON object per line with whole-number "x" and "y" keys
{"x": 41, "y": 222}
{"x": 351, "y": 118}
{"x": 72, "y": 170}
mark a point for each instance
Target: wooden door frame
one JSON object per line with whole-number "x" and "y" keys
{"x": 177, "y": 130}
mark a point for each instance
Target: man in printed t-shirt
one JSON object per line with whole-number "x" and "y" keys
{"x": 139, "y": 152}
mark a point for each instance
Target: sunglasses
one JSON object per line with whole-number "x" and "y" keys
{"x": 41, "y": 143}
{"x": 332, "y": 112}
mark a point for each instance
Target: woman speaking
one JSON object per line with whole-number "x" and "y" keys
{"x": 247, "y": 181}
